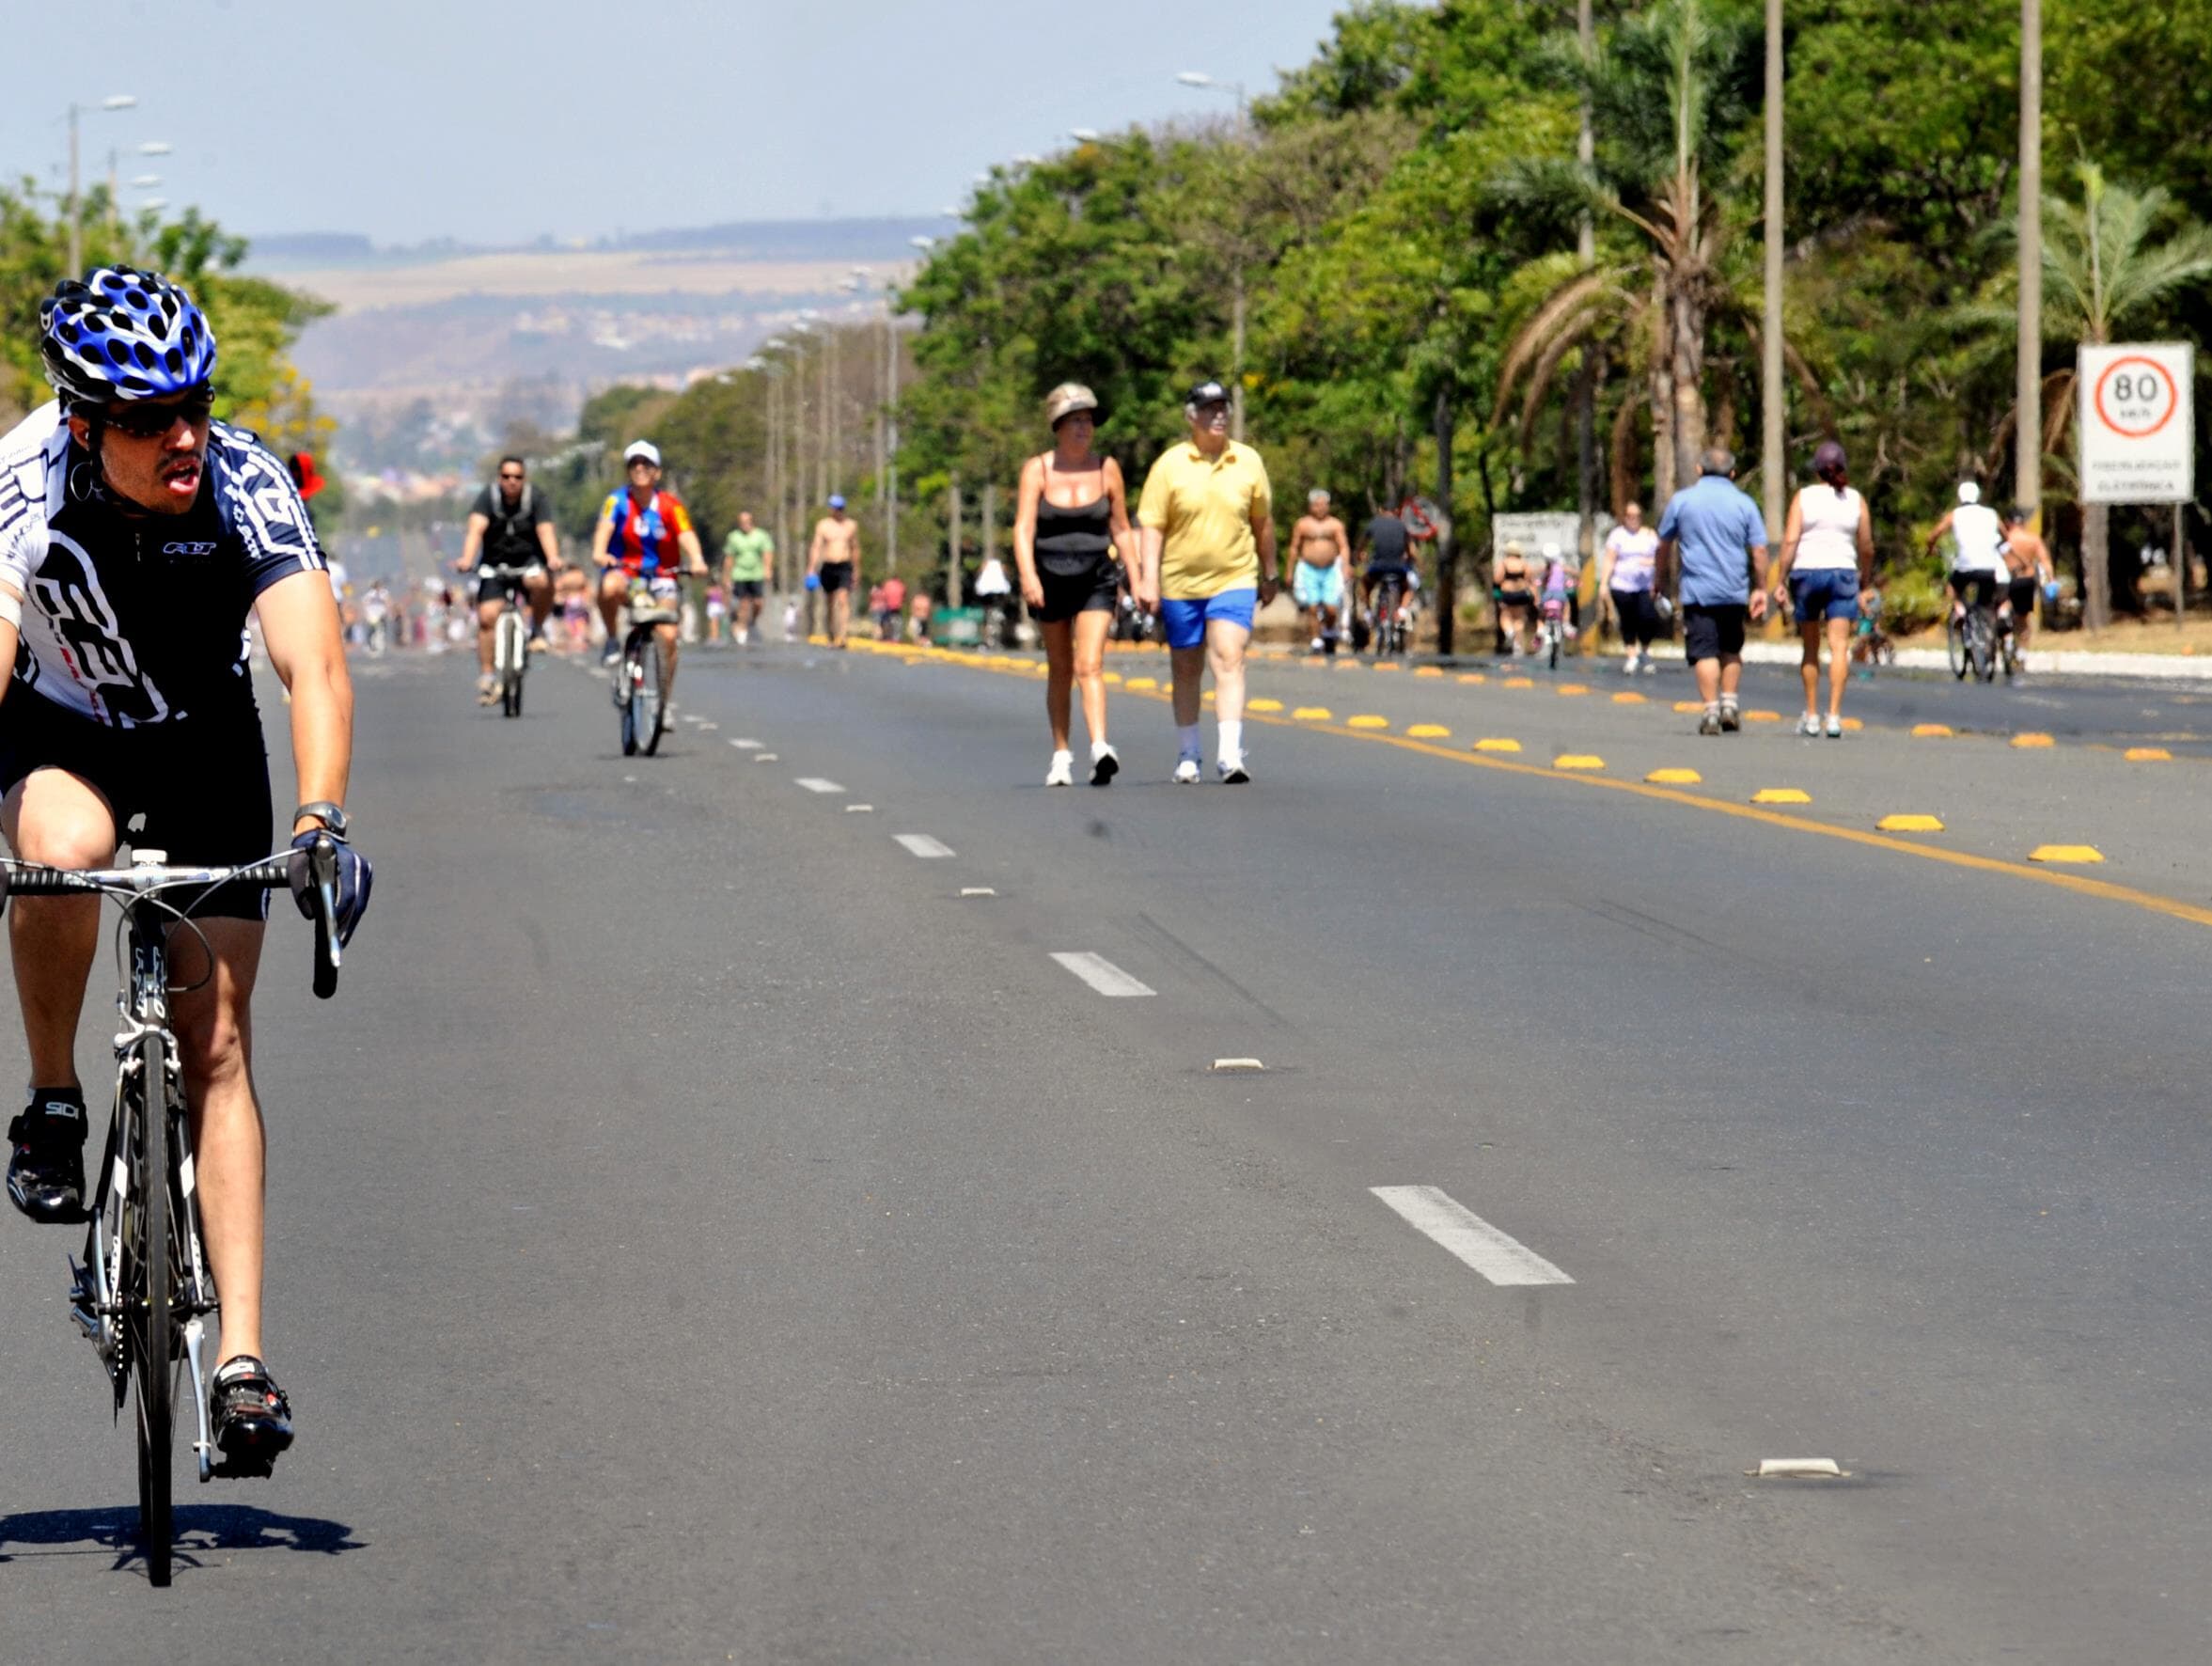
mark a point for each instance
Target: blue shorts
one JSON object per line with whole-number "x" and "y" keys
{"x": 1829, "y": 592}
{"x": 1187, "y": 620}
{"x": 1317, "y": 587}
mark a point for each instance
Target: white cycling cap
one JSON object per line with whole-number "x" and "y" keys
{"x": 644, "y": 449}
{"x": 1968, "y": 492}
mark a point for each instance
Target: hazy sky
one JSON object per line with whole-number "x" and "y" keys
{"x": 494, "y": 120}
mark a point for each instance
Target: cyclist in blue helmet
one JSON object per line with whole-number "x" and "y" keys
{"x": 137, "y": 532}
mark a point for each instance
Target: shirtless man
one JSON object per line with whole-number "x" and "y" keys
{"x": 2027, "y": 560}
{"x": 833, "y": 564}
{"x": 1318, "y": 578}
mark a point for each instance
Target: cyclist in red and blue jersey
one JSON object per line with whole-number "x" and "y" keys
{"x": 644, "y": 536}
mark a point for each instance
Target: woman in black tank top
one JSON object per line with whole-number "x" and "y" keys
{"x": 1070, "y": 528}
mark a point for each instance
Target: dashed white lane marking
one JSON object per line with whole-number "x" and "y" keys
{"x": 921, "y": 844}
{"x": 747, "y": 746}
{"x": 1102, "y": 974}
{"x": 814, "y": 783}
{"x": 1499, "y": 1258}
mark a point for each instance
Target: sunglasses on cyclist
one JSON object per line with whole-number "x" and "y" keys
{"x": 150, "y": 422}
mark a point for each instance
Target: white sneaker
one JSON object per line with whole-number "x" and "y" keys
{"x": 1809, "y": 724}
{"x": 1317, "y": 645}
{"x": 1105, "y": 763}
{"x": 1062, "y": 773}
{"x": 1186, "y": 773}
{"x": 1234, "y": 773}
{"x": 1649, "y": 668}
{"x": 1629, "y": 665}
{"x": 1835, "y": 727}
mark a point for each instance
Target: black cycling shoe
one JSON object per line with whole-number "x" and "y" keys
{"x": 46, "y": 1168}
{"x": 253, "y": 1419}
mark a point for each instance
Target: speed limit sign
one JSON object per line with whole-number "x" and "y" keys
{"x": 2138, "y": 423}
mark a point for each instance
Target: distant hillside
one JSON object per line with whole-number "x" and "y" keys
{"x": 856, "y": 241}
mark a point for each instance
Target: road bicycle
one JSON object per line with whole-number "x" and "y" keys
{"x": 642, "y": 674}
{"x": 143, "y": 1294}
{"x": 1386, "y": 611}
{"x": 1552, "y": 630}
{"x": 510, "y": 638}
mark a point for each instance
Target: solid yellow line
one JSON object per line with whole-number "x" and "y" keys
{"x": 2102, "y": 888}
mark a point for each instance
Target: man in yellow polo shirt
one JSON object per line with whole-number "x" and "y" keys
{"x": 1208, "y": 558}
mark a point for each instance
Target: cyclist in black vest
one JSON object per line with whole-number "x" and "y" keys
{"x": 512, "y": 525}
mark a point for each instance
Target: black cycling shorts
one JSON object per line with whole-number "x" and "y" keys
{"x": 2022, "y": 593}
{"x": 200, "y": 783}
{"x": 1976, "y": 589}
{"x": 1516, "y": 599}
{"x": 1095, "y": 589}
{"x": 498, "y": 590}
{"x": 1715, "y": 632}
{"x": 753, "y": 588}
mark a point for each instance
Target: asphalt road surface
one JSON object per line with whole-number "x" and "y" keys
{"x": 771, "y": 1201}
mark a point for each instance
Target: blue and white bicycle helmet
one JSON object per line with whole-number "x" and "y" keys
{"x": 119, "y": 334}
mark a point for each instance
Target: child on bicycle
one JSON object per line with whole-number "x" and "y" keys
{"x": 1556, "y": 588}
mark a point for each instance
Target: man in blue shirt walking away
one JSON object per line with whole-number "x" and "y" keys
{"x": 1716, "y": 533}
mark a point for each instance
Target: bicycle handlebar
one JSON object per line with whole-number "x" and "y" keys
{"x": 311, "y": 873}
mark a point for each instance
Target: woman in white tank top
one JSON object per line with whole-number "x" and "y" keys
{"x": 1827, "y": 552}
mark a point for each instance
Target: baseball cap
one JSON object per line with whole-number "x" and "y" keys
{"x": 1209, "y": 392}
{"x": 1066, "y": 399}
{"x": 644, "y": 449}
{"x": 837, "y": 500}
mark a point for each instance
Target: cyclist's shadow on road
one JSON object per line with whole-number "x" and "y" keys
{"x": 198, "y": 1532}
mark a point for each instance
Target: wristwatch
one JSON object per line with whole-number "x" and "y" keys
{"x": 332, "y": 816}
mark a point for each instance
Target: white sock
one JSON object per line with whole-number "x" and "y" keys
{"x": 1098, "y": 750}
{"x": 1063, "y": 752}
{"x": 1187, "y": 739}
{"x": 1233, "y": 738}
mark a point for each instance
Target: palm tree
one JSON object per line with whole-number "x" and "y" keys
{"x": 2107, "y": 260}
{"x": 1661, "y": 302}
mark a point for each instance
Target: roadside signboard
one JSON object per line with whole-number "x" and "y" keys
{"x": 2138, "y": 422}
{"x": 1537, "y": 529}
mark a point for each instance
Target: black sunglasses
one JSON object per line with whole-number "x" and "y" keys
{"x": 505, "y": 475}
{"x": 150, "y": 422}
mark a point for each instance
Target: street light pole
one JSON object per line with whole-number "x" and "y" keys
{"x": 2027, "y": 423}
{"x": 1773, "y": 470}
{"x": 121, "y": 100}
{"x": 1198, "y": 78}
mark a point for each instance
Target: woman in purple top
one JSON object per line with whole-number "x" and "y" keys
{"x": 1628, "y": 571}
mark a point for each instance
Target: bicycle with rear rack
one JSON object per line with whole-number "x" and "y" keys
{"x": 143, "y": 1294}
{"x": 641, "y": 675}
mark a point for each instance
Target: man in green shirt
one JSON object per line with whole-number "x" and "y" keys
{"x": 745, "y": 555}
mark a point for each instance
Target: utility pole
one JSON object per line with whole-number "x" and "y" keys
{"x": 1773, "y": 468}
{"x": 952, "y": 544}
{"x": 1586, "y": 255}
{"x": 2028, "y": 423}
{"x": 891, "y": 438}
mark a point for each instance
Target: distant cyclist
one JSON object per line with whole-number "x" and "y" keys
{"x": 1828, "y": 561}
{"x": 2026, "y": 560}
{"x": 1386, "y": 566}
{"x": 1628, "y": 569}
{"x": 1977, "y": 563}
{"x": 1317, "y": 579}
{"x": 136, "y": 535}
{"x": 644, "y": 536}
{"x": 745, "y": 555}
{"x": 510, "y": 526}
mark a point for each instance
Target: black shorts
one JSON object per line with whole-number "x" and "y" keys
{"x": 1715, "y": 632}
{"x": 836, "y": 576}
{"x": 1095, "y": 589}
{"x": 1976, "y": 589}
{"x": 1516, "y": 599}
{"x": 2022, "y": 593}
{"x": 753, "y": 588}
{"x": 498, "y": 590}
{"x": 201, "y": 785}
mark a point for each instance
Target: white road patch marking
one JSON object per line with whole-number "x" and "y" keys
{"x": 745, "y": 746}
{"x": 708, "y": 727}
{"x": 1102, "y": 974}
{"x": 977, "y": 890}
{"x": 814, "y": 783}
{"x": 859, "y": 810}
{"x": 921, "y": 844}
{"x": 763, "y": 757}
{"x": 1238, "y": 1064}
{"x": 1499, "y": 1258}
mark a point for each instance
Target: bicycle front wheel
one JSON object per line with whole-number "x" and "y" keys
{"x": 1981, "y": 648}
{"x": 1955, "y": 643}
{"x": 514, "y": 659}
{"x": 148, "y": 1295}
{"x": 651, "y": 708}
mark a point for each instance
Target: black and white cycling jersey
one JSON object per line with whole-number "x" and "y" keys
{"x": 132, "y": 619}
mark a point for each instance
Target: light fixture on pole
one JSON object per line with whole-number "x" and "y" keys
{"x": 121, "y": 100}
{"x": 1084, "y": 135}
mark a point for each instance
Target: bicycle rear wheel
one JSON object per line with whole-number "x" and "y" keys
{"x": 148, "y": 1292}
{"x": 1954, "y": 644}
{"x": 1980, "y": 648}
{"x": 514, "y": 659}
